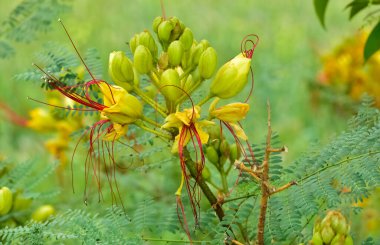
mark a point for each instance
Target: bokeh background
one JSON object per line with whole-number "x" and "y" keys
{"x": 286, "y": 61}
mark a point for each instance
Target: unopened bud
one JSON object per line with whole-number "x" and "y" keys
{"x": 163, "y": 61}
{"x": 212, "y": 155}
{"x": 175, "y": 52}
{"x": 187, "y": 39}
{"x": 177, "y": 28}
{"x": 43, "y": 213}
{"x": 143, "y": 60}
{"x": 146, "y": 39}
{"x": 348, "y": 240}
{"x": 327, "y": 234}
{"x": 206, "y": 173}
{"x": 133, "y": 43}
{"x": 164, "y": 31}
{"x": 170, "y": 85}
{"x": 120, "y": 69}
{"x": 20, "y": 202}
{"x": 224, "y": 148}
{"x": 231, "y": 77}
{"x": 338, "y": 240}
{"x": 316, "y": 239}
{"x": 6, "y": 200}
{"x": 196, "y": 52}
{"x": 235, "y": 152}
{"x": 207, "y": 63}
{"x": 339, "y": 223}
{"x": 156, "y": 22}
{"x": 150, "y": 91}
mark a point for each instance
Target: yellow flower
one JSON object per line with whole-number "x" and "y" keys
{"x": 231, "y": 114}
{"x": 121, "y": 107}
{"x": 41, "y": 120}
{"x": 188, "y": 125}
{"x": 117, "y": 131}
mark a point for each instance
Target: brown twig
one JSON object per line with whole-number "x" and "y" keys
{"x": 284, "y": 187}
{"x": 265, "y": 193}
{"x": 236, "y": 242}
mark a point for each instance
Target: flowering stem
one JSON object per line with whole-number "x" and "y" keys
{"x": 150, "y": 102}
{"x": 207, "y": 98}
{"x": 224, "y": 180}
{"x": 150, "y": 121}
{"x": 160, "y": 134}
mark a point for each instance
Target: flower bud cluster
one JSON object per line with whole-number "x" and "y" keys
{"x": 333, "y": 229}
{"x": 218, "y": 150}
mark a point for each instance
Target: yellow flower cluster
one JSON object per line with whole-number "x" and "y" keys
{"x": 344, "y": 70}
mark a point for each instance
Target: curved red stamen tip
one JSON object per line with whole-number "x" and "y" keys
{"x": 249, "y": 40}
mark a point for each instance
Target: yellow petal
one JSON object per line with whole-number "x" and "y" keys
{"x": 172, "y": 121}
{"x": 117, "y": 131}
{"x": 233, "y": 112}
{"x": 239, "y": 131}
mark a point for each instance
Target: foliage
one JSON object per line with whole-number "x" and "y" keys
{"x": 27, "y": 21}
{"x": 355, "y": 7}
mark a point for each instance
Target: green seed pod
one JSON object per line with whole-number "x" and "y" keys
{"x": 163, "y": 61}
{"x": 338, "y": 239}
{"x": 133, "y": 43}
{"x": 207, "y": 63}
{"x": 348, "y": 240}
{"x": 175, "y": 52}
{"x": 170, "y": 85}
{"x": 212, "y": 155}
{"x": 120, "y": 69}
{"x": 327, "y": 234}
{"x": 206, "y": 173}
{"x": 43, "y": 213}
{"x": 6, "y": 200}
{"x": 187, "y": 39}
{"x": 146, "y": 39}
{"x": 231, "y": 77}
{"x": 164, "y": 31}
{"x": 156, "y": 22}
{"x": 143, "y": 61}
{"x": 317, "y": 239}
{"x": 235, "y": 152}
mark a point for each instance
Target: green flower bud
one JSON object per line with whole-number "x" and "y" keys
{"x": 156, "y": 22}
{"x": 164, "y": 31}
{"x": 205, "y": 44}
{"x": 20, "y": 202}
{"x": 43, "y": 213}
{"x": 186, "y": 62}
{"x": 175, "y": 52}
{"x": 133, "y": 43}
{"x": 143, "y": 60}
{"x": 163, "y": 61}
{"x": 6, "y": 200}
{"x": 120, "y": 69}
{"x": 348, "y": 240}
{"x": 150, "y": 91}
{"x": 317, "y": 239}
{"x": 207, "y": 63}
{"x": 339, "y": 223}
{"x": 170, "y": 85}
{"x": 235, "y": 152}
{"x": 177, "y": 28}
{"x": 187, "y": 39}
{"x": 187, "y": 83}
{"x": 146, "y": 39}
{"x": 212, "y": 155}
{"x": 196, "y": 52}
{"x": 216, "y": 144}
{"x": 231, "y": 77}
{"x": 338, "y": 240}
{"x": 327, "y": 234}
{"x": 224, "y": 148}
{"x": 206, "y": 173}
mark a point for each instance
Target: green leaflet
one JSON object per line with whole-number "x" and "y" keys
{"x": 373, "y": 42}
{"x": 320, "y": 8}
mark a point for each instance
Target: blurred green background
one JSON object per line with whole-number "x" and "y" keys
{"x": 286, "y": 59}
